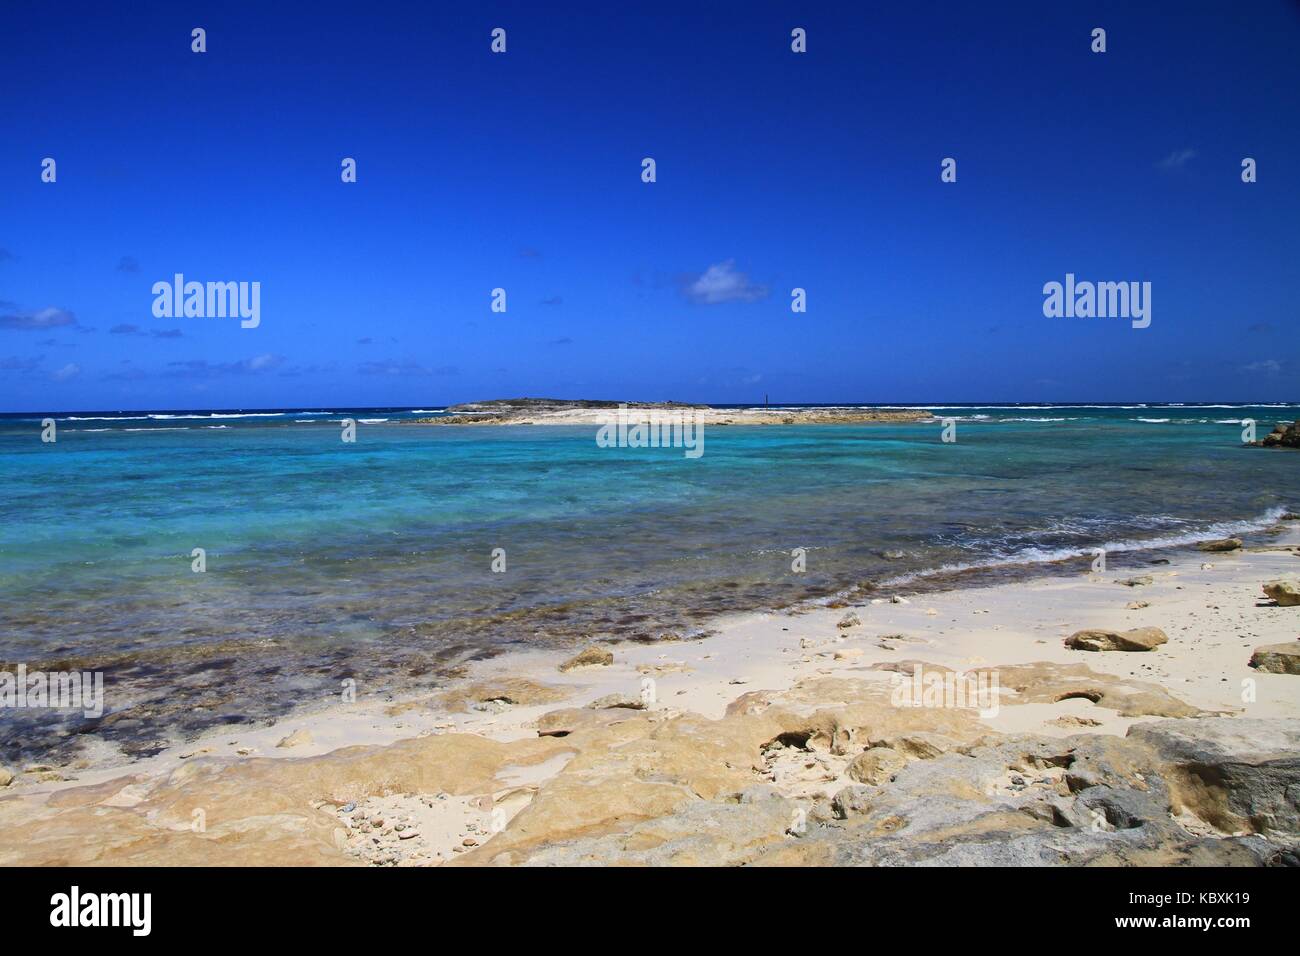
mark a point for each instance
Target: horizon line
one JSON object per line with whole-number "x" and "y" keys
{"x": 434, "y": 406}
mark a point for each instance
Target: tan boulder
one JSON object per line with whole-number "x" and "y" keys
{"x": 1285, "y": 593}
{"x": 1138, "y": 639}
{"x": 1220, "y": 544}
{"x": 588, "y": 657}
{"x": 1277, "y": 658}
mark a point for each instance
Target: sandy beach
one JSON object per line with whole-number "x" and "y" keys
{"x": 778, "y": 738}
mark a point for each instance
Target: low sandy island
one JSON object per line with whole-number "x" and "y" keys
{"x": 779, "y": 739}
{"x": 558, "y": 411}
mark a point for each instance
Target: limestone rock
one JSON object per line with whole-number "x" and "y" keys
{"x": 1237, "y": 774}
{"x": 1070, "y": 720}
{"x": 1138, "y": 639}
{"x": 876, "y": 766}
{"x": 570, "y": 720}
{"x": 617, "y": 701}
{"x": 851, "y": 801}
{"x": 501, "y": 692}
{"x": 920, "y": 746}
{"x": 1285, "y": 593}
{"x": 1277, "y": 658}
{"x": 1283, "y": 435}
{"x": 1045, "y": 682}
{"x": 848, "y": 620}
{"x": 1220, "y": 544}
{"x": 1084, "y": 800}
{"x": 700, "y": 833}
{"x": 651, "y": 788}
{"x": 589, "y": 657}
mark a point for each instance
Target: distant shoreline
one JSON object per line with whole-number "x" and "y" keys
{"x": 428, "y": 408}
{"x": 549, "y": 411}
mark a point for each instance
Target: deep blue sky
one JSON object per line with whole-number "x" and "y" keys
{"x": 523, "y": 171}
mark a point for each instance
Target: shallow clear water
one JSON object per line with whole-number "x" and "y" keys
{"x": 372, "y": 560}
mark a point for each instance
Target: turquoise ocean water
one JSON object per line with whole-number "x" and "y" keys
{"x": 373, "y": 561}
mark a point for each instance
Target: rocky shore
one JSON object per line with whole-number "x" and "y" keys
{"x": 555, "y": 411}
{"x": 1146, "y": 720}
{"x": 1283, "y": 435}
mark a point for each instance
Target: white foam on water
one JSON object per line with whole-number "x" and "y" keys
{"x": 1030, "y": 556}
{"x": 162, "y": 417}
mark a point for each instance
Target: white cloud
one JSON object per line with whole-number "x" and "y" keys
{"x": 408, "y": 367}
{"x": 1177, "y": 159}
{"x": 202, "y": 368}
{"x": 49, "y": 318}
{"x": 722, "y": 283}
